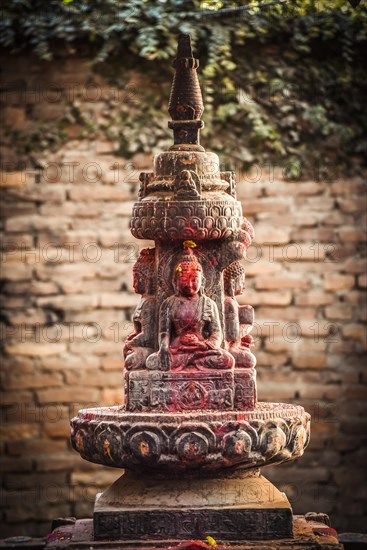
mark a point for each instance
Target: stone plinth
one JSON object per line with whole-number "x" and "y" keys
{"x": 241, "y": 506}
{"x": 307, "y": 535}
{"x": 191, "y": 441}
{"x": 221, "y": 492}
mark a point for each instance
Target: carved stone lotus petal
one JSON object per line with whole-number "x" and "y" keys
{"x": 205, "y": 440}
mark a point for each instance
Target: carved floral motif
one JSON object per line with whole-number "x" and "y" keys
{"x": 180, "y": 219}
{"x": 271, "y": 434}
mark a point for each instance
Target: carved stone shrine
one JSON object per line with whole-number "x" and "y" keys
{"x": 191, "y": 435}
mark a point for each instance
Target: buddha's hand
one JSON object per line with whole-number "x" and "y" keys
{"x": 189, "y": 340}
{"x": 204, "y": 345}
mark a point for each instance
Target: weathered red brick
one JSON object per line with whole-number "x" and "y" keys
{"x": 356, "y": 265}
{"x": 29, "y": 317}
{"x": 338, "y": 281}
{"x": 348, "y": 187}
{"x": 29, "y": 382}
{"x": 16, "y": 272}
{"x": 276, "y": 235}
{"x": 279, "y": 344}
{"x": 112, "y": 396}
{"x": 313, "y": 298}
{"x": 256, "y": 266}
{"x": 68, "y": 395}
{"x": 9, "y": 398}
{"x": 280, "y": 282}
{"x": 35, "y": 350}
{"x": 356, "y": 392}
{"x": 352, "y": 234}
{"x": 101, "y": 193}
{"x": 351, "y": 205}
{"x": 36, "y": 223}
{"x": 315, "y": 204}
{"x": 355, "y": 297}
{"x": 92, "y": 378}
{"x": 338, "y": 312}
{"x": 13, "y": 179}
{"x": 266, "y": 205}
{"x": 313, "y": 235}
{"x": 18, "y": 431}
{"x": 309, "y": 361}
{"x": 118, "y": 300}
{"x": 265, "y": 359}
{"x": 21, "y": 464}
{"x": 281, "y": 298}
{"x": 112, "y": 362}
{"x": 70, "y": 302}
{"x": 58, "y": 429}
{"x": 298, "y": 189}
{"x": 56, "y": 462}
{"x": 290, "y": 313}
{"x": 292, "y": 252}
{"x": 355, "y": 331}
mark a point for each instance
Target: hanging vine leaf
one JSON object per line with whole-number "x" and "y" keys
{"x": 279, "y": 81}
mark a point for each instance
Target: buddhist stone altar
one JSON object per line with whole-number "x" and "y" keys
{"x": 191, "y": 435}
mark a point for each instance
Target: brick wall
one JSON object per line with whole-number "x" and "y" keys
{"x": 67, "y": 302}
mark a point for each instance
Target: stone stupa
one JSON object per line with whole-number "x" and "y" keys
{"x": 191, "y": 436}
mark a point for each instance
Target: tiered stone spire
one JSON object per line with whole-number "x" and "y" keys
{"x": 186, "y": 102}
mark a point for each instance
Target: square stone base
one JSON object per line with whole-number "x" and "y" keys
{"x": 237, "y": 507}
{"x": 223, "y": 523}
{"x": 306, "y": 536}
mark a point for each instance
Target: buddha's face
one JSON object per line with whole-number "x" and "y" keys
{"x": 239, "y": 284}
{"x": 189, "y": 280}
{"x": 138, "y": 283}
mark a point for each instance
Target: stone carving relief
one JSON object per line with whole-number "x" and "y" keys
{"x": 140, "y": 343}
{"x": 181, "y": 219}
{"x": 190, "y": 333}
{"x": 274, "y": 434}
{"x": 187, "y": 186}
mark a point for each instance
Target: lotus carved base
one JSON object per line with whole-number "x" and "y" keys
{"x": 200, "y": 441}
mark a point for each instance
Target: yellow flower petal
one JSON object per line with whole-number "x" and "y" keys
{"x": 189, "y": 244}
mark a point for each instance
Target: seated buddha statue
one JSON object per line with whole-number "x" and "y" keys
{"x": 237, "y": 344}
{"x": 190, "y": 334}
{"x": 140, "y": 343}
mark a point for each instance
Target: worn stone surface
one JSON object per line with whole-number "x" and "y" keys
{"x": 308, "y": 535}
{"x": 242, "y": 506}
{"x": 195, "y": 440}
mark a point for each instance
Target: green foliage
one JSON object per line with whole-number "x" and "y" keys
{"x": 280, "y": 82}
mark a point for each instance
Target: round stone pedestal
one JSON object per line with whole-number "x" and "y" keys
{"x": 199, "y": 441}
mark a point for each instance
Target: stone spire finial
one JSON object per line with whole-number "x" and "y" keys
{"x": 186, "y": 102}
